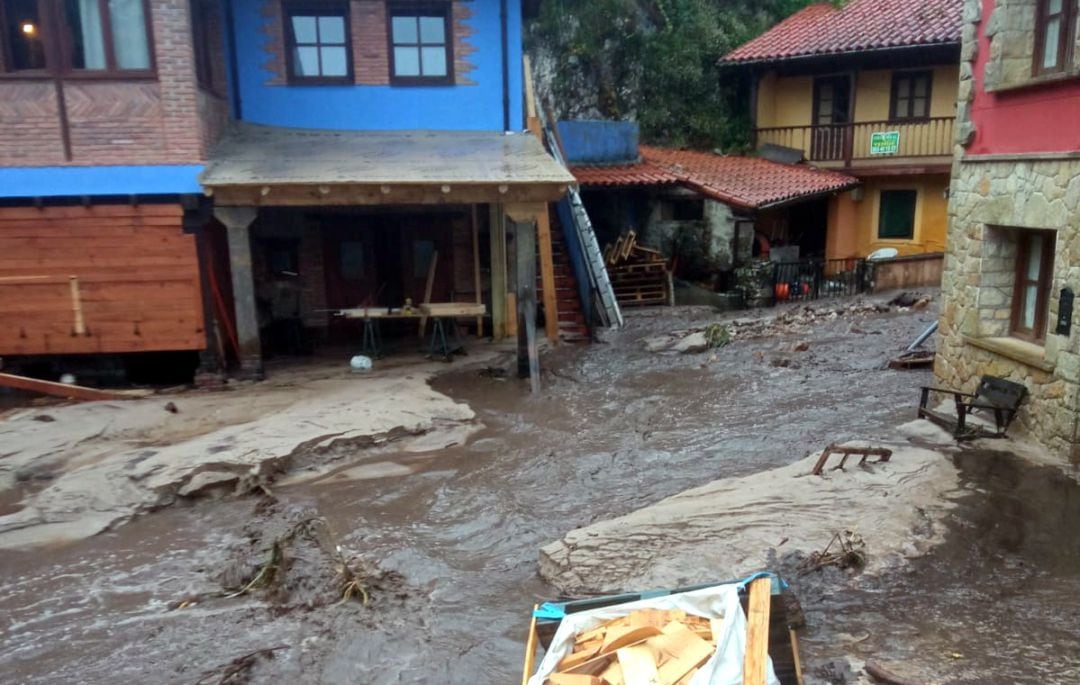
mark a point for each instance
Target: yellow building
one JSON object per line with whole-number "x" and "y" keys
{"x": 869, "y": 89}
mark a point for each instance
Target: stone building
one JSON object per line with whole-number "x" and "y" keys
{"x": 1013, "y": 255}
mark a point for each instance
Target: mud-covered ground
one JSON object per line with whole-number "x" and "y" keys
{"x": 447, "y": 539}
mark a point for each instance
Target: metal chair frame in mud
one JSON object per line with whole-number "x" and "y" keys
{"x": 996, "y": 396}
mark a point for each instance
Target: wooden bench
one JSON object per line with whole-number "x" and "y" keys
{"x": 996, "y": 397}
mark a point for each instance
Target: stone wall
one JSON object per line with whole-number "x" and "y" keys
{"x": 1011, "y": 30}
{"x": 990, "y": 200}
{"x": 703, "y": 246}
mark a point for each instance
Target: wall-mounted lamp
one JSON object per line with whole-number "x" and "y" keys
{"x": 857, "y": 194}
{"x": 29, "y": 29}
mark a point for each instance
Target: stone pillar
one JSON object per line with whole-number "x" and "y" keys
{"x": 238, "y": 222}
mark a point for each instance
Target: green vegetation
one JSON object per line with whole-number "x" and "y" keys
{"x": 655, "y": 61}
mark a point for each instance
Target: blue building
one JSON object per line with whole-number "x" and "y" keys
{"x": 221, "y": 175}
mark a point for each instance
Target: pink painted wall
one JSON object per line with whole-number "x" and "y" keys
{"x": 1044, "y": 118}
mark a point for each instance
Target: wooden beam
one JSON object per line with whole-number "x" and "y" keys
{"x": 547, "y": 274}
{"x": 525, "y": 273}
{"x": 71, "y": 392}
{"x": 428, "y": 286}
{"x": 530, "y": 649}
{"x": 532, "y": 121}
{"x": 537, "y": 213}
{"x": 297, "y": 195}
{"x": 756, "y": 659}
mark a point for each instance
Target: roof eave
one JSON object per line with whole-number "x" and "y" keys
{"x": 842, "y": 53}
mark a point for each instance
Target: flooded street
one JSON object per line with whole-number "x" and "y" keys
{"x": 456, "y": 531}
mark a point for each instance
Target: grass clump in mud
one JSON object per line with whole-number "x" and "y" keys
{"x": 717, "y": 335}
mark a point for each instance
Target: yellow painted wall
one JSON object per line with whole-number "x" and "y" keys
{"x": 789, "y": 100}
{"x": 853, "y": 225}
{"x": 784, "y": 101}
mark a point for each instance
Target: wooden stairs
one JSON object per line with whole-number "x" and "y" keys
{"x": 572, "y": 324}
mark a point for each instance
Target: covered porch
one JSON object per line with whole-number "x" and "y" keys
{"x": 317, "y": 222}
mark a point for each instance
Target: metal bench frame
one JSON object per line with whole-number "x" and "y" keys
{"x": 996, "y": 395}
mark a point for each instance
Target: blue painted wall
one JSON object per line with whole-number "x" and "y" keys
{"x": 472, "y": 107}
{"x": 20, "y": 182}
{"x": 599, "y": 142}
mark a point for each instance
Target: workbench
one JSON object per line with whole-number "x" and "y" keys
{"x": 445, "y": 341}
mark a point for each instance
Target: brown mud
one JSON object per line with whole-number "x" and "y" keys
{"x": 451, "y": 536}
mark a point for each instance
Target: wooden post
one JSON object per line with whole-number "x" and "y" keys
{"x": 238, "y": 222}
{"x": 428, "y": 286}
{"x": 756, "y": 659}
{"x": 79, "y": 326}
{"x": 525, "y": 250}
{"x": 476, "y": 268}
{"x": 547, "y": 273}
{"x": 498, "y": 272}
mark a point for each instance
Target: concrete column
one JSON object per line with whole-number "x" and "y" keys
{"x": 238, "y": 222}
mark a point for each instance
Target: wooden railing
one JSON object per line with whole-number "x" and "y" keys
{"x": 848, "y": 142}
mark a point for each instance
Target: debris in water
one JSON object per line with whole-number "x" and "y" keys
{"x": 850, "y": 555}
{"x": 171, "y": 408}
{"x": 236, "y": 671}
{"x": 882, "y": 675}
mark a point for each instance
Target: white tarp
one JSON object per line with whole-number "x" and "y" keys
{"x": 721, "y": 601}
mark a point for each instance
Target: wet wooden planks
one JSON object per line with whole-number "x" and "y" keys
{"x": 137, "y": 278}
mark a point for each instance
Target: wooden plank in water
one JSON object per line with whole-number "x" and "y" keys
{"x": 756, "y": 658}
{"x": 72, "y": 392}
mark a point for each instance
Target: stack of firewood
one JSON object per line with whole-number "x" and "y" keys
{"x": 639, "y": 275}
{"x": 646, "y": 647}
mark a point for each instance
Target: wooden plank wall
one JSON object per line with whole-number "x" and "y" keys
{"x": 912, "y": 271}
{"x": 138, "y": 280}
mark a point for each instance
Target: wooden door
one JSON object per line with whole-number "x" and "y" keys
{"x": 831, "y": 118}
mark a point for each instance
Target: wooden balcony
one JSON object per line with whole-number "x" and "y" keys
{"x": 927, "y": 142}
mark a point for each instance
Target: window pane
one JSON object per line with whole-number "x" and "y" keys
{"x": 24, "y": 35}
{"x": 352, "y": 260}
{"x": 903, "y": 88}
{"x": 897, "y": 215}
{"x": 1034, "y": 257}
{"x": 1031, "y": 298}
{"x": 434, "y": 61}
{"x": 1051, "y": 43}
{"x": 432, "y": 30}
{"x": 130, "y": 45}
{"x": 304, "y": 30}
{"x": 87, "y": 38}
{"x": 306, "y": 61}
{"x": 920, "y": 107}
{"x": 1053, "y": 6}
{"x": 332, "y": 30}
{"x": 406, "y": 62}
{"x": 334, "y": 62}
{"x": 922, "y": 85}
{"x": 405, "y": 30}
{"x": 902, "y": 105}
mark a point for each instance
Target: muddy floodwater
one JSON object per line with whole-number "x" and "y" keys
{"x": 456, "y": 531}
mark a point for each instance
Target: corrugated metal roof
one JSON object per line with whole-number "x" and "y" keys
{"x": 860, "y": 25}
{"x": 265, "y": 155}
{"x": 745, "y": 182}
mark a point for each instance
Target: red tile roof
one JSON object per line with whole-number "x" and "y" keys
{"x": 642, "y": 173}
{"x": 861, "y": 25}
{"x": 744, "y": 182}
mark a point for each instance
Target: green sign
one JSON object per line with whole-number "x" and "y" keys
{"x": 884, "y": 142}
